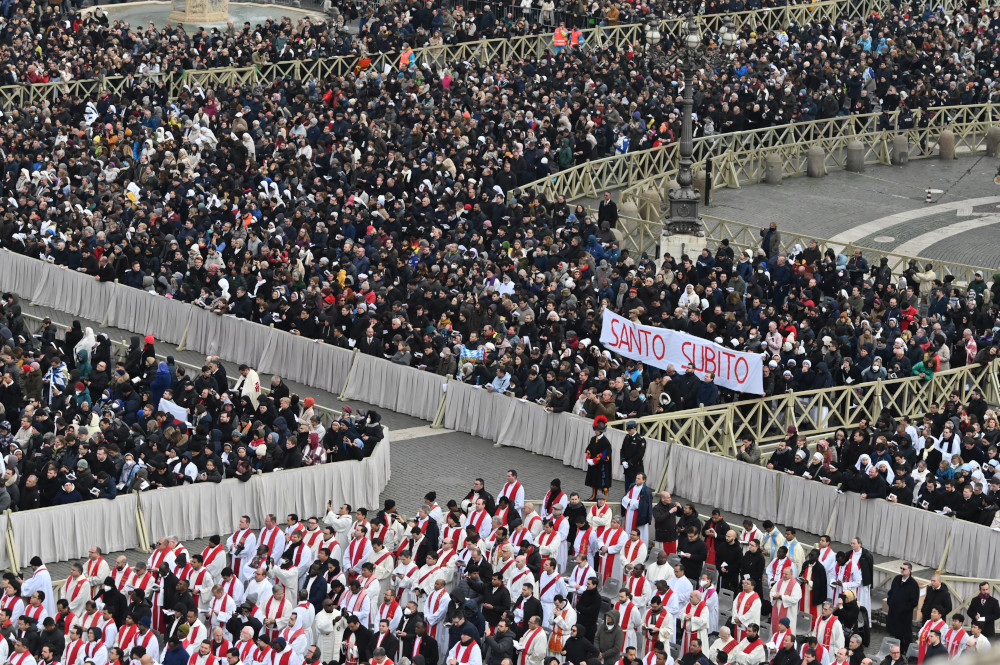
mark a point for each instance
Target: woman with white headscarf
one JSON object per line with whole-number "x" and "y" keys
{"x": 87, "y": 344}
{"x": 689, "y": 298}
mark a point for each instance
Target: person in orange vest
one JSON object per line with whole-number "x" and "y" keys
{"x": 407, "y": 58}
{"x": 560, "y": 38}
{"x": 576, "y": 38}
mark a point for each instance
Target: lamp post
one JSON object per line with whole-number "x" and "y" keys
{"x": 683, "y": 217}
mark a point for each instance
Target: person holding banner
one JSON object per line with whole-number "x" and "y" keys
{"x": 599, "y": 460}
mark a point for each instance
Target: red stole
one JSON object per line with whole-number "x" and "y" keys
{"x": 688, "y": 633}
{"x": 779, "y": 611}
{"x": 532, "y": 636}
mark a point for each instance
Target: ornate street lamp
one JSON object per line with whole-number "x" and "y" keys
{"x": 683, "y": 217}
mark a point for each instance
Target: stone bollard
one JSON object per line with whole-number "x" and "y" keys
{"x": 648, "y": 206}
{"x": 993, "y": 142}
{"x": 900, "y": 150}
{"x": 773, "y": 169}
{"x": 946, "y": 145}
{"x": 815, "y": 162}
{"x": 699, "y": 181}
{"x": 855, "y": 156}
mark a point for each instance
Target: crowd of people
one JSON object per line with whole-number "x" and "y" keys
{"x": 385, "y": 210}
{"x": 79, "y": 423}
{"x": 946, "y": 461}
{"x": 486, "y": 579}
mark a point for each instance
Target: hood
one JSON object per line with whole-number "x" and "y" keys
{"x": 613, "y": 615}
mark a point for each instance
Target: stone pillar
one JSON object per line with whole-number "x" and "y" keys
{"x": 648, "y": 207}
{"x": 946, "y": 145}
{"x": 855, "y": 156}
{"x": 815, "y": 162}
{"x": 699, "y": 182}
{"x": 773, "y": 169}
{"x": 993, "y": 142}
{"x": 900, "y": 150}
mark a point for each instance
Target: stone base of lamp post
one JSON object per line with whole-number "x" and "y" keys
{"x": 678, "y": 244}
{"x": 683, "y": 232}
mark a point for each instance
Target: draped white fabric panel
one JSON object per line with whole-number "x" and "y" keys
{"x": 143, "y": 312}
{"x": 474, "y": 411}
{"x": 68, "y": 532}
{"x": 418, "y": 393}
{"x": 374, "y": 380}
{"x": 975, "y": 551}
{"x": 806, "y": 504}
{"x": 204, "y": 509}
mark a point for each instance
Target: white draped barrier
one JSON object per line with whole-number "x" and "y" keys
{"x": 204, "y": 509}
{"x": 889, "y": 529}
{"x": 717, "y": 481}
{"x": 975, "y": 551}
{"x": 374, "y": 380}
{"x": 4, "y": 556}
{"x": 143, "y": 312}
{"x": 473, "y": 410}
{"x": 68, "y": 532}
{"x": 806, "y": 504}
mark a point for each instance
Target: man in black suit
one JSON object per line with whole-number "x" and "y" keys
{"x": 525, "y": 607}
{"x": 385, "y": 639}
{"x": 357, "y": 636}
{"x": 369, "y": 344}
{"x": 420, "y": 642}
{"x": 903, "y": 596}
{"x": 496, "y": 600}
{"x": 985, "y": 610}
{"x": 607, "y": 211}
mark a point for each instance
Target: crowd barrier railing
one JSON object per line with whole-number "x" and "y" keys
{"x": 501, "y": 49}
{"x": 408, "y": 390}
{"x": 692, "y": 473}
{"x": 133, "y": 521}
{"x": 814, "y": 412}
{"x": 740, "y": 158}
{"x": 928, "y": 538}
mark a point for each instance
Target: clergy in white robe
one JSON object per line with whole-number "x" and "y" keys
{"x": 533, "y": 645}
{"x": 550, "y": 586}
{"x": 746, "y": 610}
{"x": 242, "y": 545}
{"x": 751, "y": 650}
{"x": 576, "y": 580}
{"x": 629, "y": 617}
{"x": 828, "y": 558}
{"x": 828, "y": 630}
{"x": 633, "y": 553}
{"x": 694, "y": 619}
{"x": 630, "y": 503}
{"x": 680, "y": 585}
{"x": 640, "y": 587}
{"x": 785, "y": 597}
{"x": 404, "y": 578}
{"x": 40, "y": 580}
{"x": 658, "y": 624}
{"x": 76, "y": 590}
{"x": 611, "y": 542}
{"x": 725, "y": 644}
{"x": 659, "y": 569}
{"x": 711, "y": 598}
{"x": 514, "y": 491}
{"x": 465, "y": 651}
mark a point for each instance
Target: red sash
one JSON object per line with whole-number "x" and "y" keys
{"x": 749, "y": 649}
{"x": 126, "y": 637}
{"x": 548, "y": 585}
{"x": 464, "y": 653}
{"x": 527, "y": 645}
{"x": 75, "y": 587}
{"x": 209, "y": 553}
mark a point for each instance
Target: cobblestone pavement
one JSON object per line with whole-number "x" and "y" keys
{"x": 959, "y": 225}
